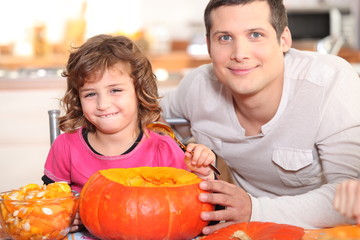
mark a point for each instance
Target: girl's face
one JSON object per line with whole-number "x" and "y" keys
{"x": 110, "y": 103}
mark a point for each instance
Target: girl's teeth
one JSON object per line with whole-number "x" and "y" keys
{"x": 110, "y": 115}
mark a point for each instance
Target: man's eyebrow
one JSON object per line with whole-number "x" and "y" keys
{"x": 256, "y": 29}
{"x": 248, "y": 30}
{"x": 220, "y": 32}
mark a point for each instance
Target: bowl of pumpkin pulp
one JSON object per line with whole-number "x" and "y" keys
{"x": 38, "y": 211}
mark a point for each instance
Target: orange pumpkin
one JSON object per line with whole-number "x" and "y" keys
{"x": 257, "y": 231}
{"x": 339, "y": 233}
{"x": 143, "y": 203}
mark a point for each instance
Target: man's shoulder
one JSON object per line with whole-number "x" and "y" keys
{"x": 202, "y": 75}
{"x": 205, "y": 70}
{"x": 313, "y": 66}
{"x": 315, "y": 58}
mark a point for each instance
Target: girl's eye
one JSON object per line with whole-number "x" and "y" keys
{"x": 225, "y": 38}
{"x": 116, "y": 90}
{"x": 89, "y": 95}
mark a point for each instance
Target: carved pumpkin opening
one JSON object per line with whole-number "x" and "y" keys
{"x": 151, "y": 177}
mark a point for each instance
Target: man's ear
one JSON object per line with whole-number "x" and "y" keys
{"x": 286, "y": 40}
{"x": 208, "y": 44}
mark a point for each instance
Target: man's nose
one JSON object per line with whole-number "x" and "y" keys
{"x": 240, "y": 50}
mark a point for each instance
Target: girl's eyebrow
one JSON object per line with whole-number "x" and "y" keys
{"x": 115, "y": 85}
{"x": 109, "y": 86}
{"x": 86, "y": 89}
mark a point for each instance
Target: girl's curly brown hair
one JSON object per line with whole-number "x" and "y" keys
{"x": 90, "y": 61}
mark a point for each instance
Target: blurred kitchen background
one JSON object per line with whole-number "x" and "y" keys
{"x": 36, "y": 36}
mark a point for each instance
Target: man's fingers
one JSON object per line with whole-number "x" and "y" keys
{"x": 218, "y": 186}
{"x": 210, "y": 229}
{"x": 214, "y": 215}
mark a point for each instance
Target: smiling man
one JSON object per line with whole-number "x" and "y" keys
{"x": 286, "y": 122}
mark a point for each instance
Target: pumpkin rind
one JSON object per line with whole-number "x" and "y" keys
{"x": 338, "y": 232}
{"x": 259, "y": 231}
{"x": 110, "y": 210}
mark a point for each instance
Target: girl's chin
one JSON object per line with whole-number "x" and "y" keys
{"x": 107, "y": 129}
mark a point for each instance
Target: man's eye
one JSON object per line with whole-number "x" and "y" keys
{"x": 256, "y": 35}
{"x": 225, "y": 38}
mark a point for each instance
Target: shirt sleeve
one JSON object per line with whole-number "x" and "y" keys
{"x": 338, "y": 144}
{"x": 57, "y": 165}
{"x": 169, "y": 154}
{"x": 179, "y": 103}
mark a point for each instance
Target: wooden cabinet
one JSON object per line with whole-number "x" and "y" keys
{"x": 348, "y": 53}
{"x": 173, "y": 61}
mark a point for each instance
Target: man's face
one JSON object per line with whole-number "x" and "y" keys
{"x": 246, "y": 54}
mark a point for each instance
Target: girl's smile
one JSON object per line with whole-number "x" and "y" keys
{"x": 108, "y": 115}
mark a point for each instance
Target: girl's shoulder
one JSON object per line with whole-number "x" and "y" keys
{"x": 159, "y": 141}
{"x": 69, "y": 137}
{"x": 165, "y": 150}
{"x": 153, "y": 136}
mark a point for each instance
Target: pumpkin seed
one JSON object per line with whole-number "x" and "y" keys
{"x": 47, "y": 211}
{"x": 15, "y": 213}
{"x": 26, "y": 226}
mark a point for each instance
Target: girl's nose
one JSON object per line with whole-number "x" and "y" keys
{"x": 103, "y": 102}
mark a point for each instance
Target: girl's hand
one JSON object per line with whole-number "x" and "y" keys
{"x": 77, "y": 225}
{"x": 198, "y": 157}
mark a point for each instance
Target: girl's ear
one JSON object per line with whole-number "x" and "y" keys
{"x": 286, "y": 40}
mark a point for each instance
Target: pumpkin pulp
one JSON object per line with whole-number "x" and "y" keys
{"x": 150, "y": 177}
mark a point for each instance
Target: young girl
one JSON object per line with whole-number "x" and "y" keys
{"x": 111, "y": 97}
{"x": 347, "y": 199}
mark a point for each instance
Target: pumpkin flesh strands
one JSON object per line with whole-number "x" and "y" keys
{"x": 241, "y": 235}
{"x": 146, "y": 177}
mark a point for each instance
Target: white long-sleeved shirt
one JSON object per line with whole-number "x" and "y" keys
{"x": 291, "y": 169}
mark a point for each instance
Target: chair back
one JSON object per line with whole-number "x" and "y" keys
{"x": 55, "y": 130}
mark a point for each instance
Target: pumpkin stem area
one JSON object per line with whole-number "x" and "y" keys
{"x": 151, "y": 176}
{"x": 240, "y": 235}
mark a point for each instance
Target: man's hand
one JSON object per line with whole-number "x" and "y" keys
{"x": 236, "y": 201}
{"x": 347, "y": 199}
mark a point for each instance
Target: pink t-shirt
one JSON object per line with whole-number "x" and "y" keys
{"x": 71, "y": 160}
